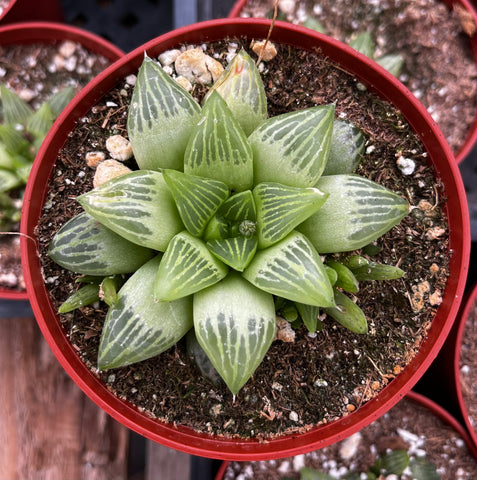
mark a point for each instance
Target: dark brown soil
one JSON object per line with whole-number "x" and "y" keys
{"x": 35, "y": 72}
{"x": 408, "y": 426}
{"x": 318, "y": 377}
{"x": 439, "y": 67}
{"x": 468, "y": 366}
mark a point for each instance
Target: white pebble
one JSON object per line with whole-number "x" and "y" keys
{"x": 93, "y": 159}
{"x": 406, "y": 165}
{"x": 131, "y": 80}
{"x": 119, "y": 147}
{"x": 183, "y": 82}
{"x": 293, "y": 416}
{"x": 169, "y": 56}
{"x": 349, "y": 446}
{"x": 67, "y": 48}
{"x": 196, "y": 66}
{"x": 269, "y": 50}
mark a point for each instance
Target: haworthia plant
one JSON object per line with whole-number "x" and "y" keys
{"x": 22, "y": 131}
{"x": 241, "y": 209}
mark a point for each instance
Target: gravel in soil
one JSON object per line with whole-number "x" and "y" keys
{"x": 318, "y": 378}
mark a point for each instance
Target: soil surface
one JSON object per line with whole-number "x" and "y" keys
{"x": 439, "y": 67}
{"x": 468, "y": 366}
{"x": 407, "y": 426}
{"x": 35, "y": 72}
{"x": 317, "y": 378}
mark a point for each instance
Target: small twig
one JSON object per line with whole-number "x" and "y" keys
{"x": 275, "y": 15}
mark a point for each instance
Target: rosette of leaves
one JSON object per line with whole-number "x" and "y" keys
{"x": 393, "y": 464}
{"x": 22, "y": 131}
{"x": 237, "y": 227}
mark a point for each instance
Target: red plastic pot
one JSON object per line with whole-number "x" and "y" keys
{"x": 385, "y": 86}
{"x": 455, "y": 350}
{"x": 419, "y": 399}
{"x": 32, "y": 10}
{"x": 471, "y": 138}
{"x": 50, "y": 33}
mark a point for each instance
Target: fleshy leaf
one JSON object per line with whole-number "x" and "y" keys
{"x": 348, "y": 314}
{"x": 241, "y": 86}
{"x": 138, "y": 206}
{"x": 60, "y": 99}
{"x": 187, "y": 267}
{"x": 85, "y": 295}
{"x": 314, "y": 24}
{"x": 292, "y": 269}
{"x": 309, "y": 315}
{"x": 40, "y": 122}
{"x": 422, "y": 469}
{"x": 8, "y": 180}
{"x": 137, "y": 327}
{"x": 218, "y": 147}
{"x": 14, "y": 109}
{"x": 236, "y": 252}
{"x": 376, "y": 271}
{"x": 293, "y": 148}
{"x": 357, "y": 212}
{"x": 161, "y": 117}
{"x": 393, "y": 63}
{"x": 281, "y": 208}
{"x": 347, "y": 145}
{"x": 14, "y": 141}
{"x": 239, "y": 207}
{"x": 392, "y": 463}
{"x": 363, "y": 42}
{"x": 83, "y": 245}
{"x": 345, "y": 277}
{"x": 197, "y": 198}
{"x": 235, "y": 325}
{"x": 307, "y": 473}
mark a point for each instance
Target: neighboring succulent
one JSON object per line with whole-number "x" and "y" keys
{"x": 22, "y": 130}
{"x": 394, "y": 464}
{"x": 240, "y": 222}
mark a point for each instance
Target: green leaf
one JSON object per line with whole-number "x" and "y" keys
{"x": 348, "y": 314}
{"x": 346, "y": 279}
{"x": 236, "y": 252}
{"x": 235, "y": 325}
{"x": 218, "y": 147}
{"x": 307, "y": 473}
{"x": 363, "y": 42}
{"x": 138, "y": 206}
{"x": 161, "y": 118}
{"x": 109, "y": 288}
{"x": 40, "y": 122}
{"x": 309, "y": 314}
{"x": 394, "y": 462}
{"x": 15, "y": 110}
{"x": 60, "y": 99}
{"x": 137, "y": 326}
{"x": 376, "y": 271}
{"x": 8, "y": 181}
{"x": 15, "y": 142}
{"x": 293, "y": 148}
{"x": 314, "y": 24}
{"x": 7, "y": 161}
{"x": 392, "y": 62}
{"x": 238, "y": 208}
{"x": 423, "y": 469}
{"x": 186, "y": 268}
{"x": 281, "y": 208}
{"x": 241, "y": 86}
{"x": 86, "y": 295}
{"x": 197, "y": 198}
{"x": 357, "y": 212}
{"x": 85, "y": 246}
{"x": 347, "y": 145}
{"x": 292, "y": 269}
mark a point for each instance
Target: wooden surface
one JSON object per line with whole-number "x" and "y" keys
{"x": 49, "y": 430}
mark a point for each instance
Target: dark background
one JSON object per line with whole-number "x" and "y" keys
{"x": 129, "y": 24}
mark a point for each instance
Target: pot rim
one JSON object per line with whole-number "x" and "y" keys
{"x": 471, "y": 138}
{"x": 184, "y": 438}
{"x": 22, "y": 10}
{"x": 50, "y": 32}
{"x": 415, "y": 397}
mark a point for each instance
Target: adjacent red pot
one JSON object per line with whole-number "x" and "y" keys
{"x": 471, "y": 138}
{"x": 30, "y": 10}
{"x": 182, "y": 438}
{"x": 419, "y": 399}
{"x": 51, "y": 33}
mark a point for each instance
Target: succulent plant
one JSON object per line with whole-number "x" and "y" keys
{"x": 219, "y": 229}
{"x": 392, "y": 464}
{"x": 22, "y": 130}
